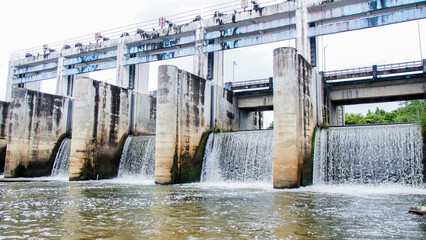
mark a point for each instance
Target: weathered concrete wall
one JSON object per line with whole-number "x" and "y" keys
{"x": 3, "y": 148}
{"x": 250, "y": 120}
{"x": 226, "y": 110}
{"x": 101, "y": 123}
{"x": 183, "y": 116}
{"x": 294, "y": 117}
{"x": 4, "y": 110}
{"x": 145, "y": 113}
{"x": 100, "y": 126}
{"x": 36, "y": 126}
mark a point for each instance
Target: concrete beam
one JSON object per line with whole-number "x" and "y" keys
{"x": 256, "y": 102}
{"x": 378, "y": 92}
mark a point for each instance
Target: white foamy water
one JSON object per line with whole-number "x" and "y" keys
{"x": 369, "y": 155}
{"x": 61, "y": 165}
{"x": 239, "y": 157}
{"x": 137, "y": 161}
{"x": 364, "y": 190}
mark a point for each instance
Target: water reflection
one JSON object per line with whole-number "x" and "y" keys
{"x": 108, "y": 210}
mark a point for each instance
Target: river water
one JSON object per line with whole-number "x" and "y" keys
{"x": 123, "y": 210}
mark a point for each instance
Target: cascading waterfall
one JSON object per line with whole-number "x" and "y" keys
{"x": 138, "y": 158}
{"x": 62, "y": 160}
{"x": 238, "y": 157}
{"x": 369, "y": 155}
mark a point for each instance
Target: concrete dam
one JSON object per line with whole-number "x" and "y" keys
{"x": 103, "y": 122}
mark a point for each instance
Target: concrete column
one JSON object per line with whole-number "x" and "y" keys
{"x": 294, "y": 118}
{"x": 218, "y": 68}
{"x": 166, "y": 137}
{"x": 302, "y": 40}
{"x": 142, "y": 78}
{"x": 9, "y": 84}
{"x": 183, "y": 116}
{"x": 287, "y": 119}
{"x": 122, "y": 75}
{"x": 337, "y": 115}
{"x": 200, "y": 59}
{"x": 99, "y": 128}
{"x": 61, "y": 81}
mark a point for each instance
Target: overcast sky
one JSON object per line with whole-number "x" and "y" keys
{"x": 29, "y": 23}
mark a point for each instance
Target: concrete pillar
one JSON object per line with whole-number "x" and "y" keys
{"x": 99, "y": 128}
{"x": 9, "y": 82}
{"x": 302, "y": 40}
{"x": 122, "y": 74}
{"x": 294, "y": 117}
{"x": 183, "y": 116}
{"x": 337, "y": 115}
{"x": 142, "y": 78}
{"x": 61, "y": 81}
{"x": 218, "y": 74}
{"x": 36, "y": 127}
{"x": 200, "y": 58}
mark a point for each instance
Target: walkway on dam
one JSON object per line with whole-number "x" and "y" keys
{"x": 377, "y": 83}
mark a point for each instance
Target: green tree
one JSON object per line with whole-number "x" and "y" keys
{"x": 409, "y": 111}
{"x": 271, "y": 125}
{"x": 353, "y": 119}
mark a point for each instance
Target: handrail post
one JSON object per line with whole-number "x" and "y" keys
{"x": 374, "y": 72}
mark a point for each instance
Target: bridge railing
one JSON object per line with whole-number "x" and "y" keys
{"x": 252, "y": 84}
{"x": 374, "y": 71}
{"x": 149, "y": 25}
{"x": 398, "y": 66}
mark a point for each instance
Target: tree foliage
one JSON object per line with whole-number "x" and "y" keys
{"x": 409, "y": 111}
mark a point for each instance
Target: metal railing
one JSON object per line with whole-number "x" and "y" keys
{"x": 149, "y": 25}
{"x": 380, "y": 69}
{"x": 251, "y": 84}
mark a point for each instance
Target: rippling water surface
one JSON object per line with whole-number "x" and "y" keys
{"x": 119, "y": 210}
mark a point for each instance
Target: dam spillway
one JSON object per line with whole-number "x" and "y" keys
{"x": 61, "y": 165}
{"x": 242, "y": 157}
{"x": 369, "y": 155}
{"x": 138, "y": 158}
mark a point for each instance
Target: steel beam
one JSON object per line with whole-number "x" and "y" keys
{"x": 251, "y": 41}
{"x": 160, "y": 45}
{"x": 160, "y": 56}
{"x": 89, "y": 68}
{"x": 90, "y": 58}
{"x": 376, "y": 21}
{"x": 35, "y": 78}
{"x": 37, "y": 68}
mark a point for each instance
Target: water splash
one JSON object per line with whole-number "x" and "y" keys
{"x": 369, "y": 155}
{"x": 238, "y": 157}
{"x": 138, "y": 158}
{"x": 62, "y": 160}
